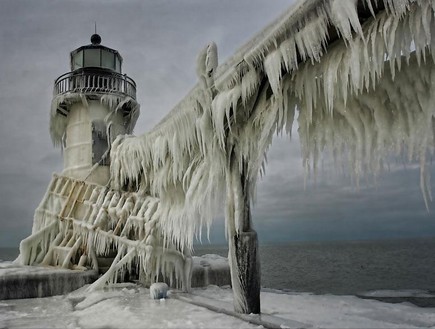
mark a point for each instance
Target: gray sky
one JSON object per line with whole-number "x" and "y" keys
{"x": 159, "y": 41}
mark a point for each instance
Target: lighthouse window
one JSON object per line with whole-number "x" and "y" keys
{"x": 78, "y": 60}
{"x": 118, "y": 65}
{"x": 99, "y": 143}
{"x": 92, "y": 58}
{"x": 108, "y": 60}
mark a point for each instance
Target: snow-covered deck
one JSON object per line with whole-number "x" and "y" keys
{"x": 130, "y": 306}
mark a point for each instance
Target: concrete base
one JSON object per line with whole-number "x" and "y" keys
{"x": 17, "y": 282}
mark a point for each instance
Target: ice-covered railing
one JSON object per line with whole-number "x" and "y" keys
{"x": 360, "y": 76}
{"x": 95, "y": 81}
{"x": 77, "y": 223}
{"x": 183, "y": 159}
{"x": 35, "y": 247}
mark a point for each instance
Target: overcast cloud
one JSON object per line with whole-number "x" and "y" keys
{"x": 159, "y": 41}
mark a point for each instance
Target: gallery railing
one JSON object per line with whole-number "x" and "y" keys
{"x": 90, "y": 82}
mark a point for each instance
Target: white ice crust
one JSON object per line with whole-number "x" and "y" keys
{"x": 367, "y": 96}
{"x": 130, "y": 306}
{"x": 362, "y": 99}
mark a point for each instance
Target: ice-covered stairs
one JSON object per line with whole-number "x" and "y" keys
{"x": 105, "y": 261}
{"x": 84, "y": 225}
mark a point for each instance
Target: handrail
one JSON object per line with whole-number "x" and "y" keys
{"x": 90, "y": 82}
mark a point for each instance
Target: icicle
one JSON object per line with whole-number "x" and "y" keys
{"x": 345, "y": 17}
{"x": 272, "y": 66}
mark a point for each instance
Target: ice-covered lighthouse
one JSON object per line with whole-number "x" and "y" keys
{"x": 359, "y": 76}
{"x": 92, "y": 105}
{"x": 83, "y": 222}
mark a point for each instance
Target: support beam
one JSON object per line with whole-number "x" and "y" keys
{"x": 247, "y": 258}
{"x": 243, "y": 243}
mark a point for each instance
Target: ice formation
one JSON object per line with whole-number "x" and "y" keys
{"x": 363, "y": 97}
{"x": 78, "y": 222}
{"x": 114, "y": 102}
{"x": 159, "y": 290}
{"x": 360, "y": 75}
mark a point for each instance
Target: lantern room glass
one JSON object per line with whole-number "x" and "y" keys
{"x": 96, "y": 57}
{"x": 108, "y": 59}
{"x": 117, "y": 64}
{"x": 78, "y": 60}
{"x": 92, "y": 58}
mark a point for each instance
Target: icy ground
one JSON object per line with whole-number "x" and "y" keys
{"x": 129, "y": 306}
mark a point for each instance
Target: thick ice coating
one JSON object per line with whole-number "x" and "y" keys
{"x": 367, "y": 96}
{"x": 78, "y": 222}
{"x": 359, "y": 74}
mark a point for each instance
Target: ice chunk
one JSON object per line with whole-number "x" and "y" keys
{"x": 159, "y": 290}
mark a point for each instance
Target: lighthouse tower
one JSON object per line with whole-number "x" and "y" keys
{"x": 92, "y": 104}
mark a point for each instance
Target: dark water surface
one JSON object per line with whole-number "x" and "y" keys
{"x": 342, "y": 267}
{"x": 345, "y": 267}
{"x": 8, "y": 254}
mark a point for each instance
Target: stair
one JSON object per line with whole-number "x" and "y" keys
{"x": 104, "y": 262}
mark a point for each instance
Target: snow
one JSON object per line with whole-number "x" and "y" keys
{"x": 12, "y": 269}
{"x": 130, "y": 306}
{"x": 346, "y": 311}
{"x": 398, "y": 293}
{"x": 212, "y": 260}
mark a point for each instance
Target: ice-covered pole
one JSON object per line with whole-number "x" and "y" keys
{"x": 242, "y": 240}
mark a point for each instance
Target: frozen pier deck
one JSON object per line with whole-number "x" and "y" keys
{"x": 17, "y": 281}
{"x": 129, "y": 304}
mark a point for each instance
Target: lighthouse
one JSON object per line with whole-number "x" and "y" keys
{"x": 92, "y": 104}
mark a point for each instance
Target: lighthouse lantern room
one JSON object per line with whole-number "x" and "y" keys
{"x": 92, "y": 104}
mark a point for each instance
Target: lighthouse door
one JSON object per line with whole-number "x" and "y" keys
{"x": 99, "y": 143}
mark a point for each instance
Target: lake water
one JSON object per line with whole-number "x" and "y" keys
{"x": 7, "y": 254}
{"x": 345, "y": 267}
{"x": 337, "y": 267}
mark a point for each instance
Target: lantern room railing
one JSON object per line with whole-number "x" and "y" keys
{"x": 99, "y": 82}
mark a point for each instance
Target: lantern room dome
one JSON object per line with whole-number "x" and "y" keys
{"x": 97, "y": 56}
{"x": 95, "y": 39}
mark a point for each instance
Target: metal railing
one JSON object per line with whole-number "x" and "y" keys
{"x": 90, "y": 82}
